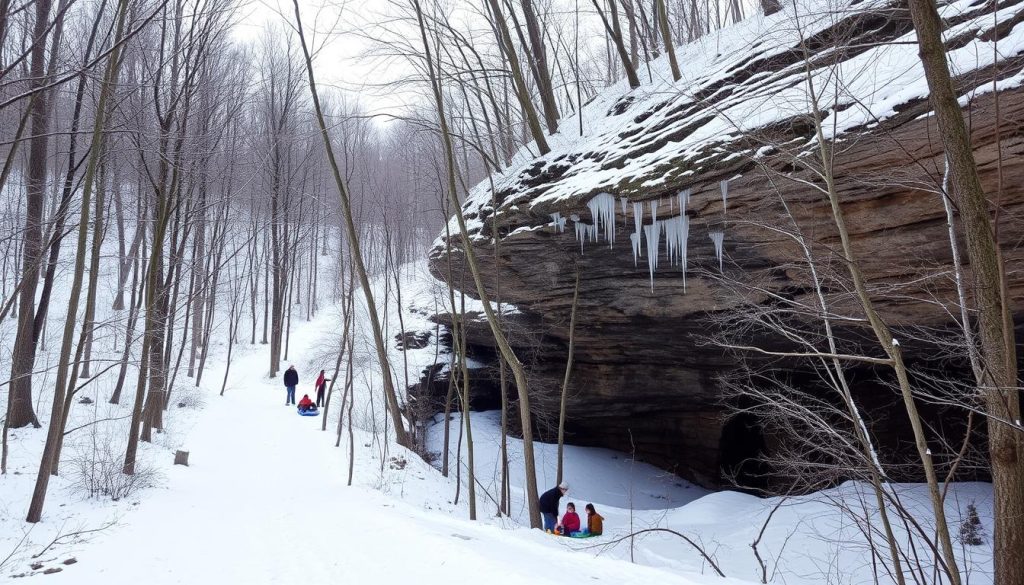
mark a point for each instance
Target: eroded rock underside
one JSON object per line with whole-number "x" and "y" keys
{"x": 647, "y": 375}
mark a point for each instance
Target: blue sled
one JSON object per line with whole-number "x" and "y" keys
{"x": 310, "y": 412}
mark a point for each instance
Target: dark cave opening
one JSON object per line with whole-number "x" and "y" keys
{"x": 741, "y": 446}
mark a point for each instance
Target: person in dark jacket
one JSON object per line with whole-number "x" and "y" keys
{"x": 321, "y": 387}
{"x": 549, "y": 505}
{"x": 291, "y": 380}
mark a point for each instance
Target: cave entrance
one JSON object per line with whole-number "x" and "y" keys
{"x": 740, "y": 447}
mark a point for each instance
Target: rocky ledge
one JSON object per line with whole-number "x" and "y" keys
{"x": 737, "y": 136}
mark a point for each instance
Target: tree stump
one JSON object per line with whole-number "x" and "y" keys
{"x": 181, "y": 458}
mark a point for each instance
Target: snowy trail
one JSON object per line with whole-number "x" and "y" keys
{"x": 264, "y": 501}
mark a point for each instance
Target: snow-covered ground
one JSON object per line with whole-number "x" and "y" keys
{"x": 265, "y": 500}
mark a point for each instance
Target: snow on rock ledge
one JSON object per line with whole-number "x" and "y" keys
{"x": 740, "y": 114}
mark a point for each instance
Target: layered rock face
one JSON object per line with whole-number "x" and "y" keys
{"x": 647, "y": 374}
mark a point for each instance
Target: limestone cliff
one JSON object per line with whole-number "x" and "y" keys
{"x": 645, "y": 374}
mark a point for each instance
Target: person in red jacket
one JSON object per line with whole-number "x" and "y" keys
{"x": 321, "y": 387}
{"x": 570, "y": 521}
{"x": 306, "y": 404}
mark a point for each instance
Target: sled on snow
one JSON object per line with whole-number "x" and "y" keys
{"x": 308, "y": 412}
{"x": 574, "y": 535}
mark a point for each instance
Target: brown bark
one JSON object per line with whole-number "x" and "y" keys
{"x": 884, "y": 336}
{"x": 542, "y": 73}
{"x": 998, "y": 384}
{"x": 666, "y": 37}
{"x": 19, "y": 397}
{"x": 614, "y": 31}
{"x": 518, "y": 80}
{"x": 568, "y": 373}
{"x": 58, "y": 415}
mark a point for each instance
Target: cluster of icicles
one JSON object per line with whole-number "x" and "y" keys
{"x": 676, "y": 228}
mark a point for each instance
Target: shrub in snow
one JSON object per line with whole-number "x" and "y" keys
{"x": 188, "y": 397}
{"x": 971, "y": 531}
{"x": 95, "y": 471}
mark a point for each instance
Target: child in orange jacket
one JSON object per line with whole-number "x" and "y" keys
{"x": 595, "y": 521}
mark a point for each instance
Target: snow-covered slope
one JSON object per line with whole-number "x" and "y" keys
{"x": 749, "y": 78}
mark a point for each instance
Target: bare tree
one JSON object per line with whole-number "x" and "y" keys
{"x": 998, "y": 381}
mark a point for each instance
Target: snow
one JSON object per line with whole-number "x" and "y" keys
{"x": 265, "y": 500}
{"x": 640, "y": 151}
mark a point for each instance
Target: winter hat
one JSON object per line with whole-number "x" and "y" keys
{"x": 564, "y": 485}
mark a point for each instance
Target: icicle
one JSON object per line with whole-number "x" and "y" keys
{"x": 670, "y": 210}
{"x": 558, "y": 221}
{"x": 624, "y": 202}
{"x": 653, "y": 233}
{"x": 602, "y": 210}
{"x": 654, "y": 212}
{"x": 684, "y": 235}
{"x": 671, "y": 227}
{"x": 684, "y": 200}
{"x": 634, "y": 238}
{"x": 583, "y": 232}
{"x": 725, "y": 193}
{"x": 676, "y": 230}
{"x": 718, "y": 237}
{"x": 638, "y": 225}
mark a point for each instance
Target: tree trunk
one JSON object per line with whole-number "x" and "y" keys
{"x": 540, "y": 67}
{"x": 518, "y": 80}
{"x": 770, "y": 6}
{"x": 999, "y": 382}
{"x": 401, "y": 436}
{"x": 615, "y": 32}
{"x": 19, "y": 394}
{"x": 58, "y": 417}
{"x": 518, "y": 371}
{"x": 568, "y": 372}
{"x": 666, "y": 38}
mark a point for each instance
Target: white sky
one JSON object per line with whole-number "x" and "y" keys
{"x": 337, "y": 31}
